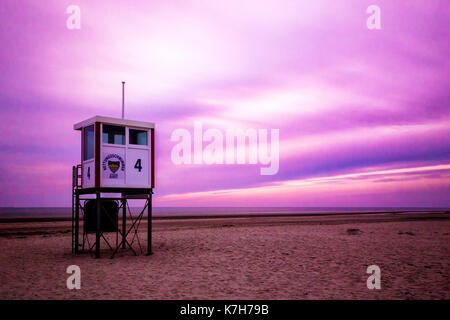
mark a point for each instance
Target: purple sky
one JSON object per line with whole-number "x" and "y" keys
{"x": 364, "y": 115}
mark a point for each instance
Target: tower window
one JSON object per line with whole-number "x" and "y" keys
{"x": 113, "y": 134}
{"x": 138, "y": 137}
{"x": 88, "y": 143}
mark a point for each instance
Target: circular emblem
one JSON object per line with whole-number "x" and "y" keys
{"x": 113, "y": 162}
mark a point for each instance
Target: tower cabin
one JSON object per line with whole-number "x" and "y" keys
{"x": 116, "y": 153}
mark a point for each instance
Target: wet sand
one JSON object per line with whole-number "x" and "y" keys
{"x": 290, "y": 257}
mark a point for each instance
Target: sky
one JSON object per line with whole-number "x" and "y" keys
{"x": 363, "y": 115}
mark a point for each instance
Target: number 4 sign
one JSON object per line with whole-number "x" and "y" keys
{"x": 138, "y": 165}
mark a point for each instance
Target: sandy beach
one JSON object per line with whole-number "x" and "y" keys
{"x": 322, "y": 257}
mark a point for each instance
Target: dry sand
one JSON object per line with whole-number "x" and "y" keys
{"x": 239, "y": 258}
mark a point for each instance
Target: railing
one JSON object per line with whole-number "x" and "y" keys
{"x": 76, "y": 176}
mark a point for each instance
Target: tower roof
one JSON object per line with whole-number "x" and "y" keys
{"x": 114, "y": 121}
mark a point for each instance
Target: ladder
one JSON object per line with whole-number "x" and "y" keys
{"x": 76, "y": 184}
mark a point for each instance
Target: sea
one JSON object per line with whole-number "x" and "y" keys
{"x": 66, "y": 212}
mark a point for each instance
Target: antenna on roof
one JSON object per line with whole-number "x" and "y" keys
{"x": 123, "y": 99}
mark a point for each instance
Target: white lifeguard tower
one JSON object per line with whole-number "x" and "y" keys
{"x": 117, "y": 157}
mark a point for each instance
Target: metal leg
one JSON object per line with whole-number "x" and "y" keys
{"x": 149, "y": 224}
{"x": 124, "y": 220}
{"x": 97, "y": 233}
{"x": 77, "y": 221}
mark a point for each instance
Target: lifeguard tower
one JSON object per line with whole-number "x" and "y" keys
{"x": 117, "y": 157}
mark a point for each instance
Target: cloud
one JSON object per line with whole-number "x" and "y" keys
{"x": 369, "y": 188}
{"x": 344, "y": 98}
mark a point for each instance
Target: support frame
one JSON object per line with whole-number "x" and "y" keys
{"x": 126, "y": 193}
